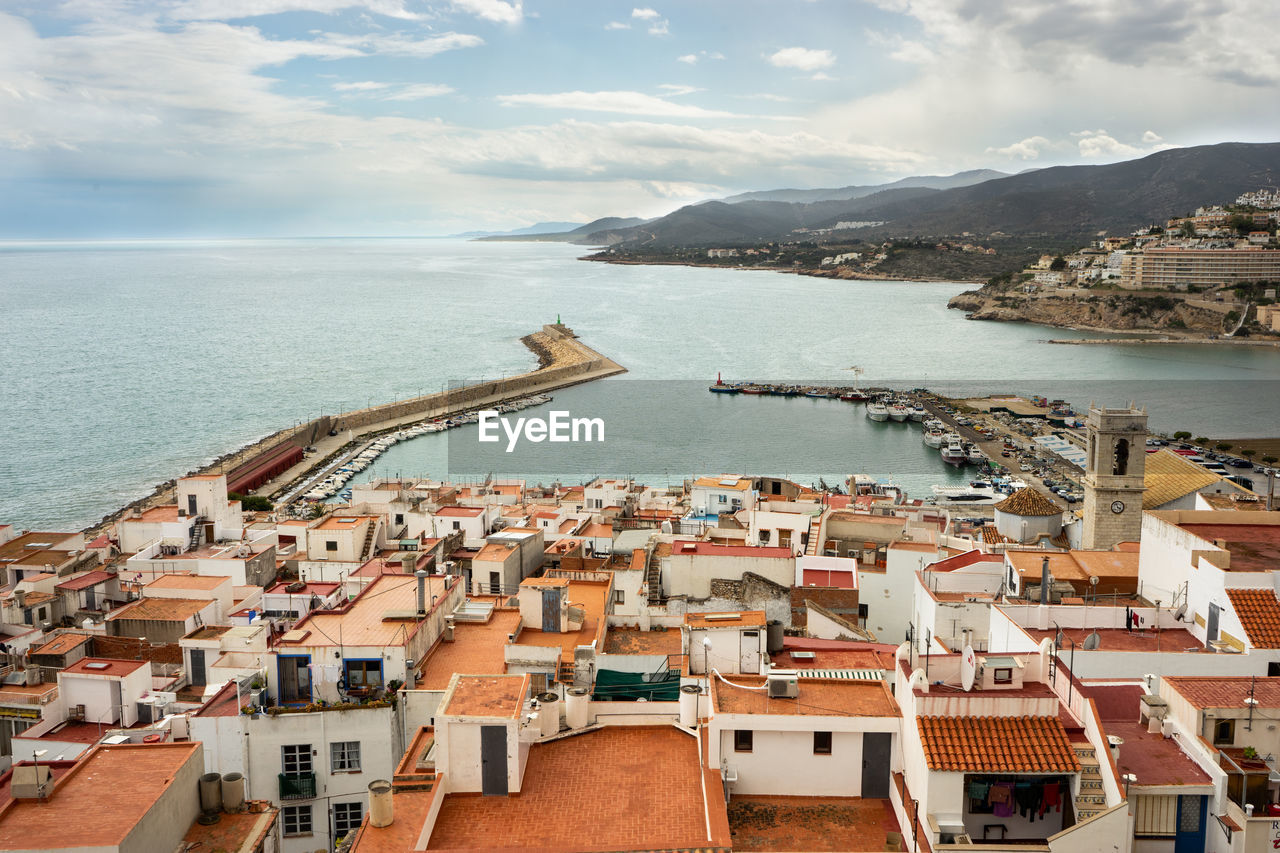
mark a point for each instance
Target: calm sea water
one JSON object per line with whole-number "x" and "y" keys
{"x": 125, "y": 364}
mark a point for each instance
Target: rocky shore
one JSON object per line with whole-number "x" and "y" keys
{"x": 1102, "y": 312}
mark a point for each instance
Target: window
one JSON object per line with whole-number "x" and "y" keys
{"x": 619, "y": 596}
{"x": 297, "y": 820}
{"x": 344, "y": 755}
{"x": 1224, "y": 732}
{"x": 43, "y": 614}
{"x": 742, "y": 740}
{"x": 1002, "y": 675}
{"x": 346, "y": 817}
{"x": 331, "y": 546}
{"x": 822, "y": 743}
{"x": 295, "y": 758}
{"x": 722, "y": 499}
{"x": 362, "y": 673}
{"x": 399, "y": 518}
{"x": 457, "y": 525}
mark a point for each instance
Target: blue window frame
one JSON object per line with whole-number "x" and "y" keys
{"x": 362, "y": 673}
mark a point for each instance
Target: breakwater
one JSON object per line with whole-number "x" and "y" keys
{"x": 563, "y": 360}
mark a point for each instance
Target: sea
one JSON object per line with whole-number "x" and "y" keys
{"x": 124, "y": 364}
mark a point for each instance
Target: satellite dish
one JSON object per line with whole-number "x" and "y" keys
{"x": 1181, "y": 612}
{"x": 1092, "y": 641}
{"x": 1093, "y": 580}
{"x": 968, "y": 668}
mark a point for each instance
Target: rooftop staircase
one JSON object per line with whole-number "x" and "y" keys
{"x": 1091, "y": 800}
{"x": 197, "y": 533}
{"x": 368, "y": 541}
{"x": 815, "y": 529}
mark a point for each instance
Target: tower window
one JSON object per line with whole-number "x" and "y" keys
{"x": 1121, "y": 465}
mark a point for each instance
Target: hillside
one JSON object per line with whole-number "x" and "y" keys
{"x": 1061, "y": 203}
{"x": 929, "y": 182}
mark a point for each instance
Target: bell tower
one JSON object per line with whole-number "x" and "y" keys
{"x": 1114, "y": 468}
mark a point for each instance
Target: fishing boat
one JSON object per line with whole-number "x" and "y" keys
{"x": 933, "y": 437}
{"x": 751, "y": 389}
{"x": 814, "y": 392}
{"x": 898, "y": 411}
{"x": 877, "y": 411}
{"x": 975, "y": 456}
{"x": 918, "y": 413}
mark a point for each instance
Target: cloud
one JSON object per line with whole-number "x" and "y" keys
{"x": 645, "y": 14}
{"x": 398, "y": 44}
{"x": 630, "y": 103}
{"x": 676, "y": 89}
{"x": 1026, "y": 149}
{"x": 1099, "y": 143}
{"x": 497, "y": 11}
{"x": 418, "y": 91}
{"x": 660, "y": 28}
{"x": 226, "y": 10}
{"x": 1151, "y": 136}
{"x": 802, "y": 58}
{"x": 693, "y": 58}
{"x": 822, "y": 75}
{"x": 617, "y": 25}
{"x": 361, "y": 86}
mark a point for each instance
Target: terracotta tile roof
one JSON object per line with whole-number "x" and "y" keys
{"x": 727, "y": 619}
{"x": 86, "y": 809}
{"x": 997, "y": 744}
{"x": 1028, "y": 502}
{"x": 161, "y": 609}
{"x": 633, "y": 641}
{"x": 104, "y": 666}
{"x": 487, "y": 696}
{"x": 821, "y": 697}
{"x": 1168, "y": 476}
{"x": 1259, "y": 612}
{"x": 1219, "y": 692}
{"x": 61, "y": 644}
{"x": 992, "y": 536}
{"x": 85, "y": 581}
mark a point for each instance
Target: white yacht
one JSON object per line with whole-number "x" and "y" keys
{"x": 877, "y": 411}
{"x": 952, "y": 450}
{"x": 975, "y": 456}
{"x": 918, "y": 412}
{"x": 933, "y": 437}
{"x": 898, "y": 411}
{"x": 977, "y": 492}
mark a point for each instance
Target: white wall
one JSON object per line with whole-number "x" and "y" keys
{"x": 782, "y": 762}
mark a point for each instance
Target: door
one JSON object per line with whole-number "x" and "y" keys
{"x": 295, "y": 678}
{"x": 495, "y": 583}
{"x": 875, "y": 765}
{"x": 1211, "y": 624}
{"x": 1190, "y": 838}
{"x": 551, "y": 611}
{"x": 750, "y": 654}
{"x": 117, "y": 703}
{"x": 197, "y": 676}
{"x": 191, "y": 505}
{"x": 90, "y": 600}
{"x": 493, "y": 760}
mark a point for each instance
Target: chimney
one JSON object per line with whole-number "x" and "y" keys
{"x": 381, "y": 807}
{"x": 421, "y": 575}
{"x": 1044, "y": 580}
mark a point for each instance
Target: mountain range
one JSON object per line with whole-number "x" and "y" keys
{"x": 1059, "y": 203}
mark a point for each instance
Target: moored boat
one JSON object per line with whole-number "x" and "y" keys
{"x": 877, "y": 411}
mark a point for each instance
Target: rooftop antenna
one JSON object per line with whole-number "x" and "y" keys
{"x": 1093, "y": 641}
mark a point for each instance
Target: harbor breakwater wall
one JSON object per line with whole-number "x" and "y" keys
{"x": 563, "y": 361}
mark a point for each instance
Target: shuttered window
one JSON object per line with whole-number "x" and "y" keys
{"x": 1155, "y": 816}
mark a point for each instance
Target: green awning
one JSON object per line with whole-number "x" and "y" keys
{"x": 613, "y": 686}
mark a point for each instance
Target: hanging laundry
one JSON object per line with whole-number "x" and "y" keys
{"x": 978, "y": 791}
{"x": 1052, "y": 798}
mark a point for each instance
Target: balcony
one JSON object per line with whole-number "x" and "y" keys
{"x": 297, "y": 786}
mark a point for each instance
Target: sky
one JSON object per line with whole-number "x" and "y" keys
{"x": 242, "y": 118}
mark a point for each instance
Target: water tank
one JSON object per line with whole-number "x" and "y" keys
{"x": 689, "y": 705}
{"x": 548, "y": 713}
{"x": 178, "y": 727}
{"x": 233, "y": 792}
{"x": 666, "y": 526}
{"x": 381, "y": 808}
{"x": 774, "y": 636}
{"x": 210, "y": 792}
{"x": 577, "y": 707}
{"x": 32, "y": 675}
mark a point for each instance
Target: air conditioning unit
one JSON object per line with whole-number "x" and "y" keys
{"x": 784, "y": 684}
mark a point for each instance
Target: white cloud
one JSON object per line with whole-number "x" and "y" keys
{"x": 660, "y": 28}
{"x": 693, "y": 58}
{"x": 361, "y": 86}
{"x": 630, "y": 103}
{"x": 676, "y": 89}
{"x": 1026, "y": 149}
{"x": 802, "y": 58}
{"x": 1151, "y": 136}
{"x": 822, "y": 75}
{"x": 645, "y": 14}
{"x": 1099, "y": 143}
{"x": 212, "y": 10}
{"x": 398, "y": 44}
{"x": 497, "y": 11}
{"x": 617, "y": 25}
{"x": 418, "y": 91}
{"x": 688, "y": 59}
